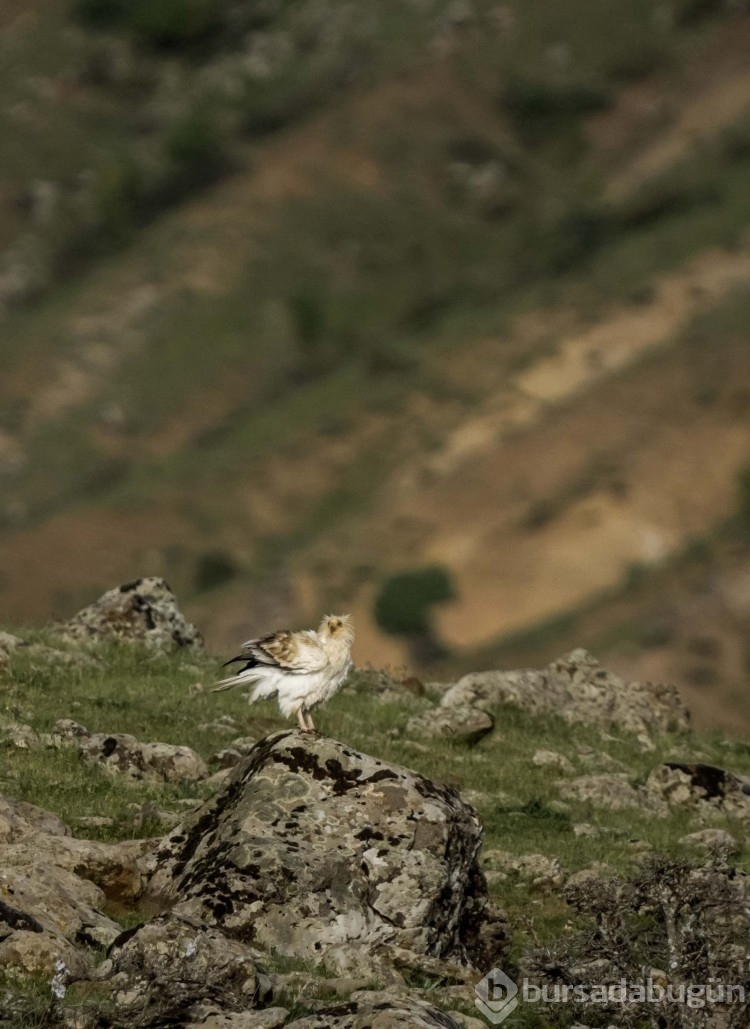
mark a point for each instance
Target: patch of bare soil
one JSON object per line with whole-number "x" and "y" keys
{"x": 601, "y": 455}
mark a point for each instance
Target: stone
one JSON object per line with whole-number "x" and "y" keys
{"x": 20, "y": 820}
{"x": 48, "y": 913}
{"x": 578, "y": 689}
{"x": 234, "y": 753}
{"x": 143, "y": 610}
{"x": 599, "y": 760}
{"x": 54, "y": 890}
{"x": 614, "y": 792}
{"x": 268, "y": 1018}
{"x": 704, "y": 788}
{"x": 329, "y": 855}
{"x": 462, "y": 722}
{"x": 539, "y": 871}
{"x": 163, "y": 968}
{"x": 19, "y": 735}
{"x": 378, "y": 1010}
{"x": 120, "y": 753}
{"x": 713, "y": 841}
{"x": 551, "y": 759}
{"x": 35, "y": 953}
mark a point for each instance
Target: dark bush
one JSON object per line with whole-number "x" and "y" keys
{"x": 196, "y": 145}
{"x": 537, "y": 108}
{"x": 162, "y": 23}
{"x": 403, "y": 605}
{"x": 214, "y": 568}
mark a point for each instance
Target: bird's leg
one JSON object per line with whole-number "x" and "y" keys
{"x": 301, "y": 720}
{"x": 310, "y": 723}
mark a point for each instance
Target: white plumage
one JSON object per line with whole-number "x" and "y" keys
{"x": 303, "y": 669}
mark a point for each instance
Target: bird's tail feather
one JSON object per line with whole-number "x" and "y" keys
{"x": 263, "y": 690}
{"x": 230, "y": 682}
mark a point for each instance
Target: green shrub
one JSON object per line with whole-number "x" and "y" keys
{"x": 196, "y": 145}
{"x": 214, "y": 568}
{"x": 163, "y": 23}
{"x": 402, "y": 608}
{"x": 537, "y": 108}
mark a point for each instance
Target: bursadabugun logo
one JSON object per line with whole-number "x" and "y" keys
{"x": 496, "y": 996}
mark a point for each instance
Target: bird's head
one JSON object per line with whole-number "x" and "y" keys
{"x": 338, "y": 627}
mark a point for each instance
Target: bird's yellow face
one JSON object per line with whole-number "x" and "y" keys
{"x": 338, "y": 626}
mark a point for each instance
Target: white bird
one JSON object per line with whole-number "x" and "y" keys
{"x": 303, "y": 669}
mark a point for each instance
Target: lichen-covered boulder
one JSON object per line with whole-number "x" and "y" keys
{"x": 703, "y": 788}
{"x": 165, "y": 967}
{"x": 145, "y": 610}
{"x": 578, "y": 689}
{"x": 323, "y": 853}
{"x": 54, "y": 890}
{"x": 122, "y": 754}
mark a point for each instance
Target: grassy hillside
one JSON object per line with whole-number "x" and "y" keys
{"x": 296, "y": 297}
{"x": 127, "y": 689}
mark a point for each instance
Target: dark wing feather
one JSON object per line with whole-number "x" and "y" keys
{"x": 273, "y": 650}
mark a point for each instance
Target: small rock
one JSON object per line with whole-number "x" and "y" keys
{"x": 613, "y": 791}
{"x": 465, "y": 723}
{"x": 66, "y": 729}
{"x": 712, "y": 840}
{"x": 551, "y": 759}
{"x": 586, "y": 829}
{"x": 234, "y": 753}
{"x": 225, "y": 725}
{"x": 268, "y": 1018}
{"x": 95, "y": 821}
{"x": 542, "y": 872}
{"x": 120, "y": 753}
{"x": 599, "y": 760}
{"x": 19, "y": 735}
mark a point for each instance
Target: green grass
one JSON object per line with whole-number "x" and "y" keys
{"x": 160, "y": 698}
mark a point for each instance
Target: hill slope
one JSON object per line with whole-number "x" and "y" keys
{"x": 294, "y": 303}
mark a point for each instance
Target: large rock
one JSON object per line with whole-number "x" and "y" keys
{"x": 54, "y": 890}
{"x": 578, "y": 689}
{"x": 145, "y": 610}
{"x": 322, "y": 853}
{"x": 166, "y": 967}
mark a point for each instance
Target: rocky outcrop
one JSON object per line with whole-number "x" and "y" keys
{"x": 702, "y": 788}
{"x": 323, "y": 853}
{"x": 120, "y": 753}
{"x": 54, "y": 889}
{"x": 144, "y": 610}
{"x": 578, "y": 689}
{"x": 171, "y": 967}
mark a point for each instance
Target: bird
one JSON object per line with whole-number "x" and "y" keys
{"x": 302, "y": 669}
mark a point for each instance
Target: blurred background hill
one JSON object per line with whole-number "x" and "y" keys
{"x": 299, "y": 297}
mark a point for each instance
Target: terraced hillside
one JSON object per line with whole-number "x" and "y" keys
{"x": 296, "y": 297}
